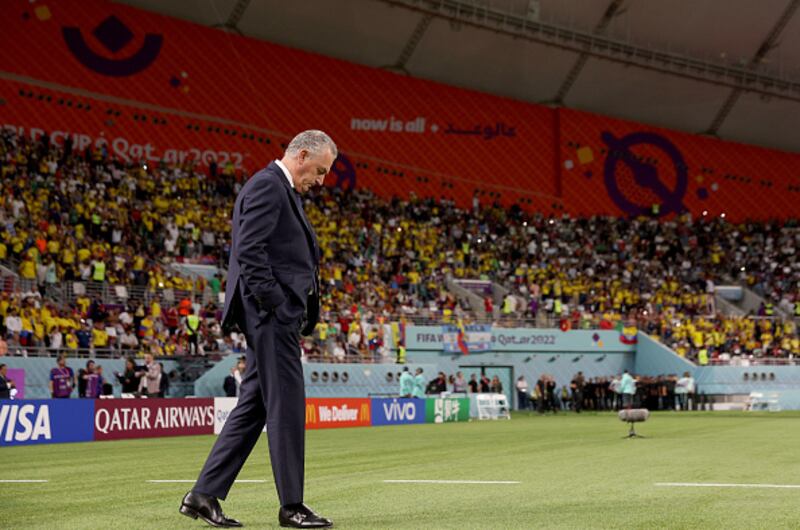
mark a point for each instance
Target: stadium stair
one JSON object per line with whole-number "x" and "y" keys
{"x": 466, "y": 297}
{"x": 471, "y": 298}
{"x": 726, "y": 306}
{"x": 195, "y": 271}
{"x": 750, "y": 302}
{"x": 188, "y": 370}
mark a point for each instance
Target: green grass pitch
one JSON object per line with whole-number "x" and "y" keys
{"x": 574, "y": 472}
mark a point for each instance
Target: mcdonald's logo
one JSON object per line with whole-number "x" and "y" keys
{"x": 311, "y": 414}
{"x": 363, "y": 415}
{"x": 323, "y": 413}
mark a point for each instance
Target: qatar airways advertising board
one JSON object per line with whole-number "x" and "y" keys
{"x": 116, "y": 419}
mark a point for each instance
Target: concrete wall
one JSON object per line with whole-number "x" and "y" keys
{"x": 528, "y": 352}
{"x": 653, "y": 358}
{"x": 37, "y": 372}
{"x": 730, "y": 379}
{"x": 514, "y": 352}
{"x": 324, "y": 379}
{"x": 509, "y": 366}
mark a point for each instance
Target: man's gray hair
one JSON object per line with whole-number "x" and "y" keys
{"x": 313, "y": 141}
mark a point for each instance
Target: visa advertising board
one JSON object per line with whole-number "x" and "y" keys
{"x": 45, "y": 421}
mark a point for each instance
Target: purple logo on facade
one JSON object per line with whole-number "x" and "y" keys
{"x": 645, "y": 174}
{"x": 114, "y": 36}
{"x": 345, "y": 172}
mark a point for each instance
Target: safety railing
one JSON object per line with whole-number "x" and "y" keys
{"x": 17, "y": 350}
{"x": 121, "y": 294}
{"x": 68, "y": 292}
{"x": 752, "y": 360}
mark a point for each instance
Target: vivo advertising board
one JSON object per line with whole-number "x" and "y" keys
{"x": 397, "y": 411}
{"x": 45, "y": 421}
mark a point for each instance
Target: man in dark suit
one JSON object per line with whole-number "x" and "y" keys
{"x": 5, "y": 387}
{"x": 272, "y": 295}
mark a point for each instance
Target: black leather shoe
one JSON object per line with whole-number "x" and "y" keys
{"x": 207, "y": 508}
{"x": 301, "y": 516}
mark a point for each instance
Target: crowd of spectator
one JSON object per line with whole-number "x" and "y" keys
{"x": 640, "y": 267}
{"x": 83, "y": 216}
{"x": 89, "y": 327}
{"x": 717, "y": 339}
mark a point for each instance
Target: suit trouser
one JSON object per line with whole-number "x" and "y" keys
{"x": 272, "y": 392}
{"x": 522, "y": 400}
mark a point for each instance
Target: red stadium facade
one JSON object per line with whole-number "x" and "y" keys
{"x": 150, "y": 87}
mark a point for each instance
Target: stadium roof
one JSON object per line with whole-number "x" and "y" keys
{"x": 729, "y": 68}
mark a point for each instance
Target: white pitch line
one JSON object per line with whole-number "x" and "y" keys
{"x": 716, "y": 485}
{"x": 452, "y": 481}
{"x": 15, "y": 481}
{"x": 193, "y": 481}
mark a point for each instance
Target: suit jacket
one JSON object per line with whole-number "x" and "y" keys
{"x": 5, "y": 390}
{"x": 274, "y": 255}
{"x": 229, "y": 386}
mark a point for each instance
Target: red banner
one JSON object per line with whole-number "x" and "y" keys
{"x": 151, "y": 87}
{"x": 610, "y": 166}
{"x": 328, "y": 413}
{"x": 188, "y": 86}
{"x": 116, "y": 419}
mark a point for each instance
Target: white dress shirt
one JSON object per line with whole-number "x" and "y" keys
{"x": 285, "y": 172}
